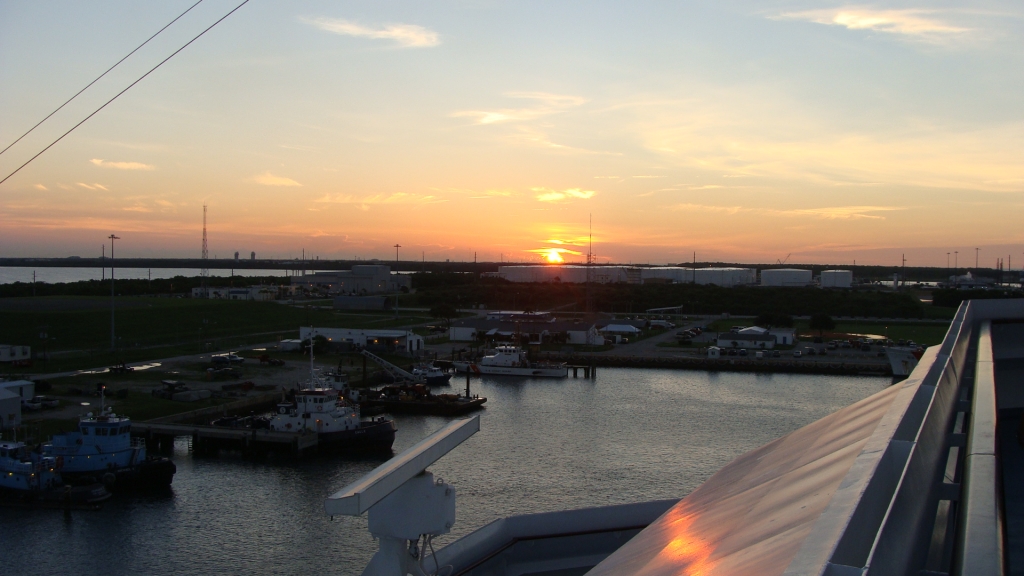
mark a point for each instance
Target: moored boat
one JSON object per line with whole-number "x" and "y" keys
{"x": 431, "y": 375}
{"x": 29, "y": 479}
{"x": 102, "y": 449}
{"x": 512, "y": 361}
{"x": 903, "y": 359}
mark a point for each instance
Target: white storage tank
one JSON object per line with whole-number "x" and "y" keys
{"x": 785, "y": 277}
{"x": 836, "y": 278}
{"x": 564, "y": 273}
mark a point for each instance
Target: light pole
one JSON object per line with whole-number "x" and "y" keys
{"x": 947, "y": 266}
{"x": 113, "y": 342}
{"x": 976, "y": 258}
{"x": 396, "y": 247}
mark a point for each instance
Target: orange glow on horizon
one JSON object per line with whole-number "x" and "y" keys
{"x": 553, "y": 257}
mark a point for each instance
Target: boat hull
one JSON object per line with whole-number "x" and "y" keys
{"x": 427, "y": 407}
{"x": 370, "y": 437}
{"x": 525, "y": 371}
{"x": 148, "y": 474}
{"x": 902, "y": 360}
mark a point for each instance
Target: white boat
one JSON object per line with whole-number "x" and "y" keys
{"x": 319, "y": 407}
{"x": 511, "y": 361}
{"x": 431, "y": 375}
{"x": 903, "y": 359}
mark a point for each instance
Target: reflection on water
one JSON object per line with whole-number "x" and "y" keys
{"x": 630, "y": 435}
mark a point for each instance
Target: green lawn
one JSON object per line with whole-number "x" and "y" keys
{"x": 78, "y": 328}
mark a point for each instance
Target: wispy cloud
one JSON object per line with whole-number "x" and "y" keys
{"x": 827, "y": 213}
{"x": 122, "y": 165}
{"x": 843, "y": 212}
{"x": 549, "y": 195}
{"x": 913, "y": 23}
{"x": 546, "y": 104}
{"x": 365, "y": 202}
{"x": 137, "y": 209}
{"x": 268, "y": 179}
{"x": 93, "y": 186}
{"x": 405, "y": 35}
{"x": 39, "y": 187}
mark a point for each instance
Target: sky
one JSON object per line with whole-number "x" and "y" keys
{"x": 733, "y": 131}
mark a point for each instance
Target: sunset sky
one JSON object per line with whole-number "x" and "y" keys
{"x": 744, "y": 131}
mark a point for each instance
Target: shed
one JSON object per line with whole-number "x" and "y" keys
{"x": 10, "y": 409}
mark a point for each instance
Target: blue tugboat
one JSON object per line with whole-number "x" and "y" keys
{"x": 28, "y": 479}
{"x": 102, "y": 449}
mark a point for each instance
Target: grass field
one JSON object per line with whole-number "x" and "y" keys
{"x": 77, "y": 329}
{"x": 927, "y": 334}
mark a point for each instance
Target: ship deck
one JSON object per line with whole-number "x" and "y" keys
{"x": 925, "y": 477}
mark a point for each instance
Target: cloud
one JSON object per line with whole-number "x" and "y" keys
{"x": 93, "y": 186}
{"x": 405, "y": 35}
{"x": 137, "y": 209}
{"x": 549, "y": 195}
{"x": 827, "y": 213}
{"x": 40, "y": 187}
{"x": 546, "y": 104}
{"x": 364, "y": 203}
{"x": 268, "y": 179}
{"x": 912, "y": 23}
{"x": 843, "y": 212}
{"x": 122, "y": 165}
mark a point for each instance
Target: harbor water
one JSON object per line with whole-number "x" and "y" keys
{"x": 629, "y": 435}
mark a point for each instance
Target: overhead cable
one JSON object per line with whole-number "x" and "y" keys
{"x": 173, "y": 54}
{"x": 98, "y": 78}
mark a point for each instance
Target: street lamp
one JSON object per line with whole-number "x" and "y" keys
{"x": 113, "y": 341}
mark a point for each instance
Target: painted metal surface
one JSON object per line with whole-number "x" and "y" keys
{"x": 359, "y": 496}
{"x": 754, "y": 514}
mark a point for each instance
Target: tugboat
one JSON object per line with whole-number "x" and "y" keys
{"x": 27, "y": 479}
{"x": 319, "y": 407}
{"x": 102, "y": 449}
{"x": 512, "y": 361}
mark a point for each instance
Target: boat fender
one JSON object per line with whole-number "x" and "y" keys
{"x": 319, "y": 408}
{"x": 60, "y": 462}
{"x": 109, "y": 479}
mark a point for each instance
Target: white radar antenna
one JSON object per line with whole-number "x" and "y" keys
{"x": 405, "y": 504}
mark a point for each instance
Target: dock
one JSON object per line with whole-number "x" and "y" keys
{"x": 206, "y": 439}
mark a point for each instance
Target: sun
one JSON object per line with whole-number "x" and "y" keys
{"x": 554, "y": 257}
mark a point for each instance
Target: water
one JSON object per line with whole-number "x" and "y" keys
{"x": 630, "y": 435}
{"x": 10, "y": 275}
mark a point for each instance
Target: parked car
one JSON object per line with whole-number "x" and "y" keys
{"x": 220, "y": 361}
{"x": 865, "y": 348}
{"x": 235, "y": 358}
{"x": 743, "y": 351}
{"x": 776, "y": 354}
{"x": 797, "y": 354}
{"x": 46, "y": 401}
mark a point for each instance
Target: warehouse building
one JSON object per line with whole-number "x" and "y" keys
{"x": 785, "y": 277}
{"x": 361, "y": 279}
{"x": 383, "y": 340}
{"x": 537, "y": 332}
{"x": 836, "y": 279}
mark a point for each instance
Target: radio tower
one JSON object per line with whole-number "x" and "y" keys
{"x": 590, "y": 260}
{"x": 204, "y": 272}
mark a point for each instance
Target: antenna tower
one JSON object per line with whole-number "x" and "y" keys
{"x": 204, "y": 272}
{"x": 590, "y": 260}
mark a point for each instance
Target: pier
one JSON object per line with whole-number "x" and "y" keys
{"x": 206, "y": 439}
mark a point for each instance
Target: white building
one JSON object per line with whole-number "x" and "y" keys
{"x": 361, "y": 279}
{"x": 392, "y": 339}
{"x": 15, "y": 353}
{"x": 836, "y": 278}
{"x": 785, "y": 277}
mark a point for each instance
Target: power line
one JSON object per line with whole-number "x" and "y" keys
{"x": 98, "y": 77}
{"x": 125, "y": 90}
